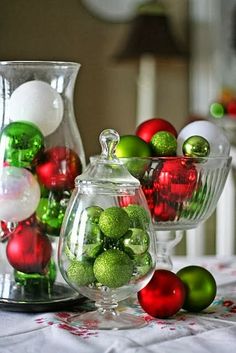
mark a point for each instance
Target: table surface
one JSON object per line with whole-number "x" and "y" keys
{"x": 213, "y": 330}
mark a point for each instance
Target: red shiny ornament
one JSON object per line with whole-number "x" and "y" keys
{"x": 150, "y": 127}
{"x": 58, "y": 168}
{"x": 28, "y": 250}
{"x": 231, "y": 108}
{"x": 164, "y": 212}
{"x": 163, "y": 296}
{"x": 175, "y": 181}
{"x": 125, "y": 201}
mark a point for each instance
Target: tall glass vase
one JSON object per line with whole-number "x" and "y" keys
{"x": 41, "y": 153}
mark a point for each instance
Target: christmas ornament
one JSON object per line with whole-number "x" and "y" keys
{"x": 163, "y": 296}
{"x": 50, "y": 214}
{"x": 196, "y": 146}
{"x": 163, "y": 144}
{"x": 58, "y": 168}
{"x": 132, "y": 146}
{"x": 231, "y": 108}
{"x": 29, "y": 250}
{"x": 113, "y": 268}
{"x": 164, "y": 211}
{"x": 37, "y": 102}
{"x": 19, "y": 194}
{"x": 200, "y": 287}
{"x": 195, "y": 204}
{"x": 135, "y": 241}
{"x": 22, "y": 143}
{"x": 93, "y": 240}
{"x": 93, "y": 213}
{"x": 219, "y": 144}
{"x": 114, "y": 222}
{"x": 175, "y": 181}
{"x": 137, "y": 166}
{"x": 217, "y": 110}
{"x": 139, "y": 217}
{"x": 80, "y": 273}
{"x": 150, "y": 127}
{"x": 143, "y": 264}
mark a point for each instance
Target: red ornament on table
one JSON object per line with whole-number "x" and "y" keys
{"x": 150, "y": 127}
{"x": 163, "y": 296}
{"x": 58, "y": 168}
{"x": 28, "y": 250}
{"x": 175, "y": 181}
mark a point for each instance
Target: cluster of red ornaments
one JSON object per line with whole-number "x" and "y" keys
{"x": 174, "y": 179}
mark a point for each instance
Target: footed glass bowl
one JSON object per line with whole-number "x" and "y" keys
{"x": 181, "y": 193}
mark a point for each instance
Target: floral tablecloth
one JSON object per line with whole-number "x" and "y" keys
{"x": 213, "y": 330}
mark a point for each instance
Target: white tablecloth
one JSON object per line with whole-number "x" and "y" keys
{"x": 213, "y": 330}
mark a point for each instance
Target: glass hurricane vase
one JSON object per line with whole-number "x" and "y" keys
{"x": 41, "y": 153}
{"x": 181, "y": 193}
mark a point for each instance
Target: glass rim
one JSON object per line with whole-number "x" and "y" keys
{"x": 187, "y": 158}
{"x": 59, "y": 63}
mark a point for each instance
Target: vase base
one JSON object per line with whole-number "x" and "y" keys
{"x": 110, "y": 320}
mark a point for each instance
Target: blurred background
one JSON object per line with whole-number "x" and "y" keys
{"x": 116, "y": 89}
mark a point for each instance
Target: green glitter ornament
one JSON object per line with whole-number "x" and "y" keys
{"x": 80, "y": 273}
{"x": 113, "y": 268}
{"x": 142, "y": 265}
{"x": 136, "y": 242}
{"x": 164, "y": 144}
{"x": 196, "y": 146}
{"x": 139, "y": 217}
{"x": 22, "y": 143}
{"x": 114, "y": 222}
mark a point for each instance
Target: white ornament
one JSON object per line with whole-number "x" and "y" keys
{"x": 219, "y": 144}
{"x": 37, "y": 102}
{"x": 19, "y": 194}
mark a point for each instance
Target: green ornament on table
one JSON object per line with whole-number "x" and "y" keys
{"x": 135, "y": 242}
{"x": 81, "y": 273}
{"x": 113, "y": 268}
{"x": 142, "y": 265}
{"x": 139, "y": 217}
{"x": 196, "y": 146}
{"x": 163, "y": 144}
{"x": 22, "y": 143}
{"x": 114, "y": 222}
{"x": 200, "y": 287}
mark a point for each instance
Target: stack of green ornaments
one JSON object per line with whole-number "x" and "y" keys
{"x": 114, "y": 248}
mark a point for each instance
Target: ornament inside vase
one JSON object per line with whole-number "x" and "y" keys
{"x": 41, "y": 154}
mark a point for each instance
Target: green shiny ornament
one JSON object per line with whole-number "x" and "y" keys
{"x": 93, "y": 213}
{"x": 196, "y": 146}
{"x": 50, "y": 214}
{"x": 114, "y": 222}
{"x": 132, "y": 146}
{"x": 200, "y": 287}
{"x": 136, "y": 242}
{"x": 93, "y": 240}
{"x": 217, "y": 110}
{"x": 80, "y": 273}
{"x": 142, "y": 265}
{"x": 197, "y": 203}
{"x": 113, "y": 268}
{"x": 137, "y": 166}
{"x": 139, "y": 217}
{"x": 35, "y": 282}
{"x": 22, "y": 143}
{"x": 163, "y": 144}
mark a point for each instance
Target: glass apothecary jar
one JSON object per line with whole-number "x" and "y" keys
{"x": 41, "y": 153}
{"x": 106, "y": 249}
